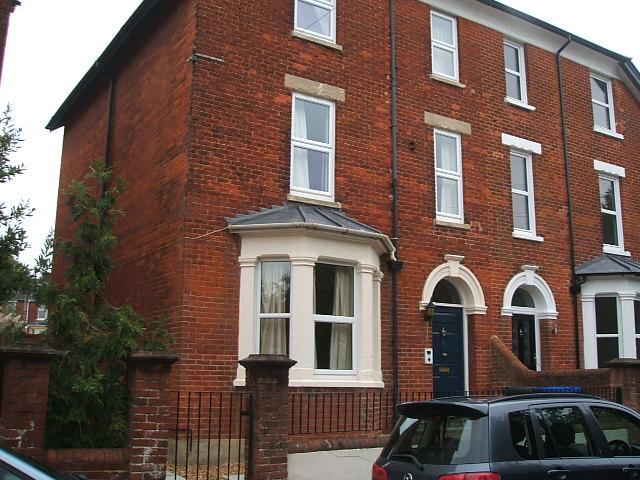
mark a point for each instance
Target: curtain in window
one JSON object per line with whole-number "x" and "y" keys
{"x": 340, "y": 351}
{"x": 300, "y": 155}
{"x": 274, "y": 299}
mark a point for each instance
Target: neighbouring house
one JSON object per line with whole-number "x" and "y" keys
{"x": 24, "y": 309}
{"x": 291, "y": 191}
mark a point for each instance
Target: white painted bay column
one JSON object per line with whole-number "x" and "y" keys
{"x": 627, "y": 325}
{"x": 589, "y": 331}
{"x": 377, "y": 326}
{"x": 365, "y": 323}
{"x": 301, "y": 325}
{"x": 247, "y": 314}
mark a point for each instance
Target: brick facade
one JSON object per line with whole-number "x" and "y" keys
{"x": 202, "y": 140}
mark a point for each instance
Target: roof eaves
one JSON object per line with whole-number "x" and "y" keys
{"x": 141, "y": 14}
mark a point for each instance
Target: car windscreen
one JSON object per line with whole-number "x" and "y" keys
{"x": 444, "y": 439}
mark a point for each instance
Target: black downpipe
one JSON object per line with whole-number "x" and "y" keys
{"x": 395, "y": 265}
{"x": 575, "y": 285}
{"x": 108, "y": 161}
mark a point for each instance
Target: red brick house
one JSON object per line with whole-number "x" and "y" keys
{"x": 291, "y": 191}
{"x": 6, "y": 9}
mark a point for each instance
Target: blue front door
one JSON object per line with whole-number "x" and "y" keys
{"x": 448, "y": 352}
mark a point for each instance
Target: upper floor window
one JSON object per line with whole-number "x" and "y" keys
{"x": 274, "y": 303}
{"x": 611, "y": 216}
{"x": 444, "y": 45}
{"x": 42, "y": 313}
{"x": 334, "y": 317}
{"x": 317, "y": 18}
{"x": 523, "y": 200}
{"x": 602, "y": 102}
{"x": 449, "y": 197}
{"x": 312, "y": 147}
{"x": 515, "y": 72}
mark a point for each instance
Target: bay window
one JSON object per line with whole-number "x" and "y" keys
{"x": 275, "y": 278}
{"x": 334, "y": 317}
{"x": 607, "y": 329}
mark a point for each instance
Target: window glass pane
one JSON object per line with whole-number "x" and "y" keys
{"x": 334, "y": 346}
{"x": 609, "y": 229}
{"x": 621, "y": 430}
{"x": 601, "y": 116}
{"x": 274, "y": 336}
{"x": 564, "y": 433}
{"x": 522, "y": 435}
{"x": 311, "y": 121}
{"x": 606, "y": 315}
{"x": 314, "y": 18}
{"x": 275, "y": 286}
{"x": 608, "y": 349}
{"x": 445, "y": 292}
{"x": 636, "y": 309}
{"x": 333, "y": 290}
{"x": 522, "y": 298}
{"x": 446, "y": 153}
{"x": 442, "y": 439}
{"x": 442, "y": 30}
{"x": 607, "y": 194}
{"x": 513, "y": 86}
{"x": 599, "y": 91}
{"x": 521, "y": 212}
{"x": 310, "y": 169}
{"x": 511, "y": 60}
{"x": 447, "y": 201}
{"x": 443, "y": 62}
{"x": 519, "y": 173}
{"x": 7, "y": 475}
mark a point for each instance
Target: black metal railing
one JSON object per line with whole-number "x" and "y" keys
{"x": 210, "y": 437}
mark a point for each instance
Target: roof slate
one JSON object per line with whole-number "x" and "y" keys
{"x": 299, "y": 214}
{"x": 608, "y": 264}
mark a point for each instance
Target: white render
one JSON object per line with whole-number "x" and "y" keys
{"x": 627, "y": 291}
{"x": 304, "y": 248}
{"x": 539, "y": 290}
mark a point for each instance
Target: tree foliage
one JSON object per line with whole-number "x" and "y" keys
{"x": 88, "y": 394}
{"x": 14, "y": 276}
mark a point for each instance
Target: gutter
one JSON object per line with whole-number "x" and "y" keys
{"x": 574, "y": 289}
{"x": 381, "y": 237}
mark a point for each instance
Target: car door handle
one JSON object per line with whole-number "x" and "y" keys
{"x": 559, "y": 473}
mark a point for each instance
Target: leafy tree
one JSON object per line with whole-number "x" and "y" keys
{"x": 88, "y": 394}
{"x": 14, "y": 276}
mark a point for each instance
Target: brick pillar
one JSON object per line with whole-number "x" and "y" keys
{"x": 625, "y": 373}
{"x": 149, "y": 414}
{"x": 268, "y": 383}
{"x": 25, "y": 393}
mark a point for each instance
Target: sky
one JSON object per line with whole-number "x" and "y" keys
{"x": 51, "y": 45}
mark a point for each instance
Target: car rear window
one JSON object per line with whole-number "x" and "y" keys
{"x": 443, "y": 439}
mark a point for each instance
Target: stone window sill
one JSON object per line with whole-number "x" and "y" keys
{"x": 319, "y": 41}
{"x": 527, "y": 236}
{"x": 516, "y": 103}
{"x": 449, "y": 224}
{"x": 313, "y": 201}
{"x": 608, "y": 133}
{"x": 448, "y": 81}
{"x": 615, "y": 251}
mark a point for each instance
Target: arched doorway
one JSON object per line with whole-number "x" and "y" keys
{"x": 456, "y": 293}
{"x": 527, "y": 300}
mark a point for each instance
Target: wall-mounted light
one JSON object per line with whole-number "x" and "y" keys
{"x": 429, "y": 312}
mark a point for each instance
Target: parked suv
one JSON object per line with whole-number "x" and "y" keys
{"x": 522, "y": 437}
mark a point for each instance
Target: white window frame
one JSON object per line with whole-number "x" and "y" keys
{"x": 637, "y": 336}
{"x": 339, "y": 319}
{"x": 522, "y": 74}
{"x": 327, "y": 4}
{"x": 609, "y": 106}
{"x": 441, "y": 172}
{"x": 619, "y": 326}
{"x": 258, "y": 291}
{"x": 328, "y": 148}
{"x": 606, "y": 248}
{"x": 530, "y": 194}
{"x": 444, "y": 46}
{"x": 46, "y": 313}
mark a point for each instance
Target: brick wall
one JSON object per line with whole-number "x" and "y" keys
{"x": 96, "y": 464}
{"x": 216, "y": 143}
